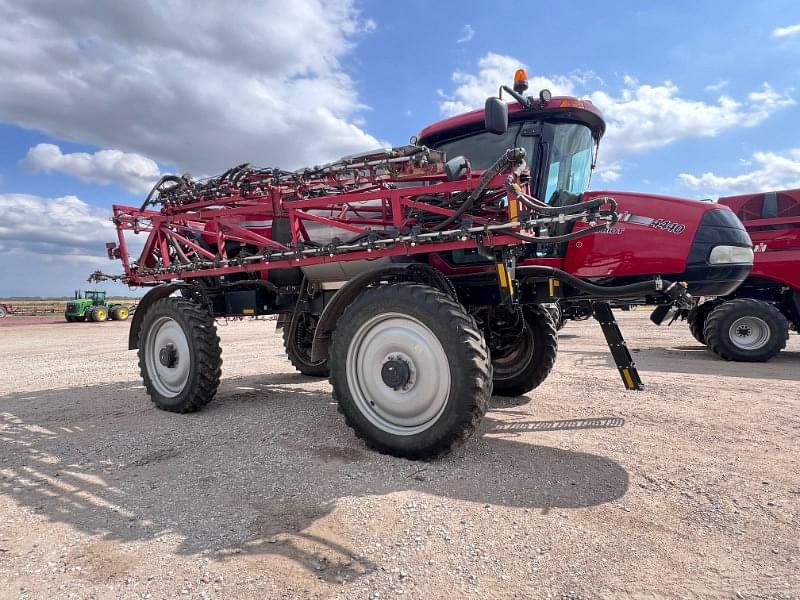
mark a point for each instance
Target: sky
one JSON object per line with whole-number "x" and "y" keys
{"x": 702, "y": 99}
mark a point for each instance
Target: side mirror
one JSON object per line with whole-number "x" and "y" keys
{"x": 455, "y": 168}
{"x": 495, "y": 115}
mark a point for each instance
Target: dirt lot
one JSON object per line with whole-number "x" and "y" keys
{"x": 691, "y": 488}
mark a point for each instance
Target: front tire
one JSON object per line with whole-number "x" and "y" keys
{"x": 179, "y": 355}
{"x": 697, "y": 319}
{"x": 297, "y": 339}
{"x": 525, "y": 364}
{"x": 746, "y": 330}
{"x": 410, "y": 370}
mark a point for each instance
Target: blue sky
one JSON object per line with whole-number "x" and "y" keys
{"x": 702, "y": 98}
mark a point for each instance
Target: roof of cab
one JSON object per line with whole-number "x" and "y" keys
{"x": 559, "y": 106}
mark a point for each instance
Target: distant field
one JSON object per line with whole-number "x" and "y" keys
{"x": 52, "y": 306}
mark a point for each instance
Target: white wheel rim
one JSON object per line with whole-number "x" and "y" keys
{"x": 749, "y": 333}
{"x": 2, "y": 312}
{"x": 413, "y": 406}
{"x": 166, "y": 335}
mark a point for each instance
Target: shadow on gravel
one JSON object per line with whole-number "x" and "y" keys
{"x": 259, "y": 473}
{"x": 695, "y": 360}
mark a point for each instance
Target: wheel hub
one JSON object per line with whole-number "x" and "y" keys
{"x": 168, "y": 356}
{"x": 398, "y": 373}
{"x": 749, "y": 333}
{"x": 395, "y": 373}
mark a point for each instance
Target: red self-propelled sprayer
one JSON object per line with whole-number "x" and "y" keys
{"x": 418, "y": 278}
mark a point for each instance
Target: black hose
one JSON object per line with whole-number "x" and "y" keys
{"x": 233, "y": 170}
{"x": 571, "y": 209}
{"x": 632, "y": 290}
{"x": 164, "y": 179}
{"x": 510, "y": 156}
{"x": 558, "y": 239}
{"x": 553, "y": 211}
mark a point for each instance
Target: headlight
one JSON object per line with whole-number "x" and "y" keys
{"x": 725, "y": 255}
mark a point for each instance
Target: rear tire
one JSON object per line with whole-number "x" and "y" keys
{"x": 530, "y": 361}
{"x": 410, "y": 370}
{"x": 697, "y": 319}
{"x": 119, "y": 313}
{"x": 297, "y": 344}
{"x": 746, "y": 330}
{"x": 179, "y": 355}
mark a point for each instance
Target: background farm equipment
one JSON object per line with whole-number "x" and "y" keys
{"x": 752, "y": 323}
{"x": 92, "y": 306}
{"x": 418, "y": 278}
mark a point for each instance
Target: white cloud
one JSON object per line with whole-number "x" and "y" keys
{"x": 773, "y": 171}
{"x": 132, "y": 171}
{"x": 609, "y": 172}
{"x": 642, "y": 117}
{"x": 717, "y": 87}
{"x": 175, "y": 82}
{"x": 50, "y": 245}
{"x": 639, "y": 117}
{"x": 780, "y": 32}
{"x": 493, "y": 70}
{"x": 62, "y": 229}
{"x": 467, "y": 33}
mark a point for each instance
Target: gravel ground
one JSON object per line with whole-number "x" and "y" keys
{"x": 688, "y": 489}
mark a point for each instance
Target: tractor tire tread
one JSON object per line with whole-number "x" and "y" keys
{"x": 477, "y": 367}
{"x": 546, "y": 340}
{"x": 697, "y": 319}
{"x": 203, "y": 340}
{"x": 715, "y": 332}
{"x": 297, "y": 361}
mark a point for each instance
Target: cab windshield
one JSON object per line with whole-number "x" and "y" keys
{"x": 559, "y": 155}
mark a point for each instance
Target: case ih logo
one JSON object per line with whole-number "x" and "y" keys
{"x": 663, "y": 224}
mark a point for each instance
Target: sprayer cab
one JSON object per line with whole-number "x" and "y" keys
{"x": 675, "y": 238}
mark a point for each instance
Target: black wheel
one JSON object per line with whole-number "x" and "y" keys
{"x": 69, "y": 318}
{"x": 522, "y": 362}
{"x": 89, "y": 314}
{"x": 3, "y": 311}
{"x": 297, "y": 340}
{"x": 410, "y": 370}
{"x": 746, "y": 330}
{"x": 697, "y": 319}
{"x": 179, "y": 355}
{"x": 557, "y": 315}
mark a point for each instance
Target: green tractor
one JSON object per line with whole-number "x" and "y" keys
{"x": 92, "y": 306}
